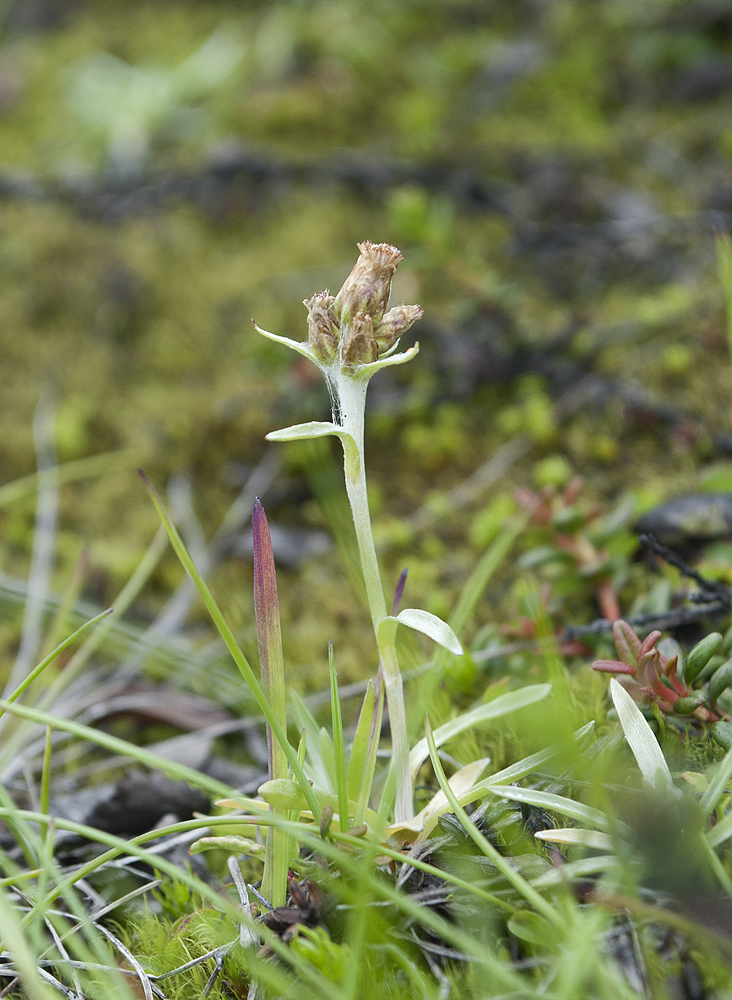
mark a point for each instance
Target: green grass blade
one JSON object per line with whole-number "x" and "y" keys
{"x": 554, "y": 803}
{"x": 364, "y": 795}
{"x": 338, "y": 747}
{"x": 68, "y": 472}
{"x": 361, "y": 741}
{"x": 718, "y": 784}
{"x": 37, "y": 671}
{"x": 118, "y": 746}
{"x": 514, "y": 878}
{"x": 475, "y": 586}
{"x": 492, "y": 710}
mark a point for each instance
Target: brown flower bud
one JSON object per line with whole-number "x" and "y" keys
{"x": 323, "y": 333}
{"x": 367, "y": 288}
{"x": 394, "y": 324}
{"x": 359, "y": 346}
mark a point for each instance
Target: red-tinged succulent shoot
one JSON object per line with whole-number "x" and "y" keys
{"x": 651, "y": 676}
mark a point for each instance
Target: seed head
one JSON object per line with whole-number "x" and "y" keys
{"x": 367, "y": 287}
{"x": 323, "y": 332}
{"x": 359, "y": 346}
{"x": 394, "y": 324}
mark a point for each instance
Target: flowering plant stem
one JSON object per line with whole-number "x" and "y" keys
{"x": 352, "y": 399}
{"x": 351, "y": 336}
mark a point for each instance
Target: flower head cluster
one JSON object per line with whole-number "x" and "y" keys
{"x": 354, "y": 326}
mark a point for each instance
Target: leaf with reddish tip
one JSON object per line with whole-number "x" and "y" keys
{"x": 231, "y": 644}
{"x": 269, "y": 641}
{"x": 671, "y": 671}
{"x": 649, "y": 642}
{"x": 627, "y": 642}
{"x": 612, "y": 667}
{"x": 266, "y": 601}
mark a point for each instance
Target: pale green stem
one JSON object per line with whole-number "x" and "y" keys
{"x": 352, "y": 401}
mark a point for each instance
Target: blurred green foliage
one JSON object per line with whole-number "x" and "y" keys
{"x": 600, "y": 131}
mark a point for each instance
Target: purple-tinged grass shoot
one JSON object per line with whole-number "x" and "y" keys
{"x": 269, "y": 641}
{"x": 231, "y": 644}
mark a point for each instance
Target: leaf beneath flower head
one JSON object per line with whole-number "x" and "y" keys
{"x": 302, "y": 347}
{"x": 366, "y": 371}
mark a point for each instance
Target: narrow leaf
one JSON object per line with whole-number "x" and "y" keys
{"x": 360, "y": 748}
{"x": 338, "y": 747}
{"x": 502, "y": 864}
{"x": 641, "y": 740}
{"x": 52, "y": 655}
{"x": 317, "y": 429}
{"x": 312, "y": 429}
{"x": 269, "y": 641}
{"x": 461, "y": 784}
{"x": 366, "y": 371}
{"x": 302, "y": 347}
{"x": 612, "y": 667}
{"x": 627, "y": 642}
{"x": 492, "y": 710}
{"x": 231, "y": 644}
{"x": 576, "y": 835}
{"x": 718, "y": 783}
{"x": 552, "y": 802}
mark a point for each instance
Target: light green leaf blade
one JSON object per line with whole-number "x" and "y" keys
{"x": 552, "y": 802}
{"x": 492, "y": 710}
{"x": 426, "y": 819}
{"x": 361, "y": 742}
{"x": 302, "y": 347}
{"x": 717, "y": 784}
{"x": 366, "y": 371}
{"x": 576, "y": 835}
{"x": 641, "y": 740}
{"x": 311, "y": 429}
{"x": 430, "y": 625}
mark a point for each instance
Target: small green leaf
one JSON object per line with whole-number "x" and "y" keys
{"x": 641, "y": 740}
{"x": 339, "y": 749}
{"x": 700, "y": 655}
{"x": 688, "y": 705}
{"x": 550, "y": 801}
{"x": 366, "y": 371}
{"x": 317, "y": 429}
{"x": 722, "y": 734}
{"x": 361, "y": 741}
{"x": 721, "y": 679}
{"x": 576, "y": 835}
{"x": 432, "y": 626}
{"x": 302, "y": 347}
{"x": 312, "y": 429}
